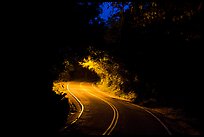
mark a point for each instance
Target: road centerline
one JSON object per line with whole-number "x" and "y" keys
{"x": 115, "y": 114}
{"x": 147, "y": 111}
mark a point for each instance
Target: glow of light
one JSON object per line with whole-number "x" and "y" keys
{"x": 140, "y": 7}
{"x": 108, "y": 73}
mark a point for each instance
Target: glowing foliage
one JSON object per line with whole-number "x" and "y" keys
{"x": 109, "y": 73}
{"x": 59, "y": 88}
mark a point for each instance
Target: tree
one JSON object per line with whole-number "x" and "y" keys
{"x": 111, "y": 74}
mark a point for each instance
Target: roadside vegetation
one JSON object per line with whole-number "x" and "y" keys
{"x": 113, "y": 78}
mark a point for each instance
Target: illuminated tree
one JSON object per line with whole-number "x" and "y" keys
{"x": 108, "y": 70}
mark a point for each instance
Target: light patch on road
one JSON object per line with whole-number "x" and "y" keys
{"x": 82, "y": 107}
{"x": 109, "y": 94}
{"x": 115, "y": 113}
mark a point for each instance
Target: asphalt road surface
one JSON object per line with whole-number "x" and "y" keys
{"x": 100, "y": 114}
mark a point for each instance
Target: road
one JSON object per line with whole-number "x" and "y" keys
{"x": 100, "y": 114}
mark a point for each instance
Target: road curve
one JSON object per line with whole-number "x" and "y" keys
{"x": 101, "y": 114}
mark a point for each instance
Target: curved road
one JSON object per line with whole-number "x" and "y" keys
{"x": 101, "y": 114}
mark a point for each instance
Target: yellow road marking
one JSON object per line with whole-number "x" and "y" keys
{"x": 166, "y": 128}
{"x": 115, "y": 115}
